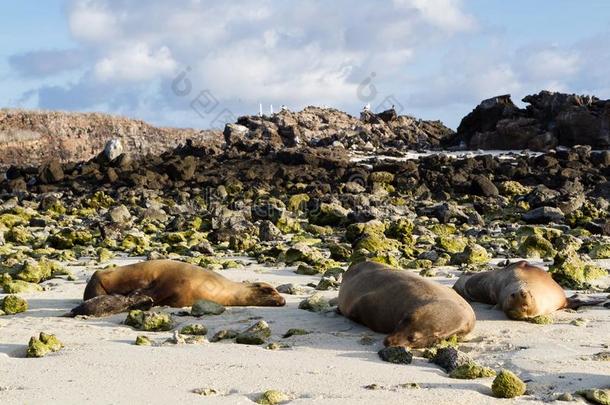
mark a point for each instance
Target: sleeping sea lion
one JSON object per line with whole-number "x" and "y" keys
{"x": 179, "y": 284}
{"x": 414, "y": 311}
{"x": 521, "y": 290}
{"x": 105, "y": 305}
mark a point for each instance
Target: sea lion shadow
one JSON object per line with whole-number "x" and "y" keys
{"x": 49, "y": 307}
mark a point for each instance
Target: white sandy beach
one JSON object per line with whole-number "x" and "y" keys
{"x": 101, "y": 365}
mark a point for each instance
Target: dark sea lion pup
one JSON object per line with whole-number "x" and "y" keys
{"x": 520, "y": 290}
{"x": 179, "y": 284}
{"x": 414, "y": 311}
{"x": 106, "y": 305}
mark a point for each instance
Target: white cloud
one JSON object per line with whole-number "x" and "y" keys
{"x": 547, "y": 63}
{"x": 445, "y": 14}
{"x": 93, "y": 21}
{"x": 135, "y": 63}
{"x": 266, "y": 50}
{"x": 311, "y": 52}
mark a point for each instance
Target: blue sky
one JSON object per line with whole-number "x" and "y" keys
{"x": 435, "y": 59}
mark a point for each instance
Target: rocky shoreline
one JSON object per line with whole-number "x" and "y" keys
{"x": 287, "y": 193}
{"x": 30, "y": 138}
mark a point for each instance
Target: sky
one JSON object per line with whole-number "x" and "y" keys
{"x": 202, "y": 63}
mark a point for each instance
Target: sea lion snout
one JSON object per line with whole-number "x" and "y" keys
{"x": 404, "y": 338}
{"x": 520, "y": 304}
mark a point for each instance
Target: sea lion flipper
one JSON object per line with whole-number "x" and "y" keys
{"x": 576, "y": 301}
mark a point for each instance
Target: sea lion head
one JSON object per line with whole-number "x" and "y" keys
{"x": 426, "y": 326}
{"x": 264, "y": 295}
{"x": 519, "y": 304}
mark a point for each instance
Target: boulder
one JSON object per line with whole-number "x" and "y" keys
{"x": 551, "y": 119}
{"x": 51, "y": 173}
{"x": 543, "y": 215}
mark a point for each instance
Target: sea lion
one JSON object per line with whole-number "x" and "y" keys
{"x": 105, "y": 305}
{"x": 414, "y": 311}
{"x": 521, "y": 290}
{"x": 179, "y": 284}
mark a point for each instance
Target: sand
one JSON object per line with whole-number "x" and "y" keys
{"x": 101, "y": 365}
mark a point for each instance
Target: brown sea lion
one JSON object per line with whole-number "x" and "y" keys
{"x": 414, "y": 311}
{"x": 105, "y": 305}
{"x": 521, "y": 290}
{"x": 179, "y": 284}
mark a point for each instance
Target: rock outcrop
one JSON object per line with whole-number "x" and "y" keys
{"x": 37, "y": 137}
{"x": 316, "y": 127}
{"x": 550, "y": 120}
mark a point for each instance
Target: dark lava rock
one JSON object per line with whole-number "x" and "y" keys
{"x": 51, "y": 173}
{"x": 481, "y": 185}
{"x": 396, "y": 355}
{"x": 551, "y": 119}
{"x": 449, "y": 358}
{"x": 543, "y": 215}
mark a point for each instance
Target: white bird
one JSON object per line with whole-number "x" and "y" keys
{"x": 367, "y": 107}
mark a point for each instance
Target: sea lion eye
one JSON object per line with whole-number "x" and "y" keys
{"x": 410, "y": 338}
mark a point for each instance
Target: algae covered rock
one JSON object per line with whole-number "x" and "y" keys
{"x": 42, "y": 345}
{"x": 149, "y": 321}
{"x": 302, "y": 252}
{"x": 535, "y": 246}
{"x": 194, "y": 329}
{"x": 67, "y": 238}
{"x": 51, "y": 341}
{"x": 272, "y": 397}
{"x": 512, "y": 188}
{"x": 205, "y": 307}
{"x": 600, "y": 251}
{"x": 36, "y": 348}
{"x": 315, "y": 303}
{"x": 143, "y": 341}
{"x": 332, "y": 214}
{"x": 472, "y": 254}
{"x": 355, "y": 231}
{"x": 376, "y": 243}
{"x": 104, "y": 255}
{"x": 298, "y": 202}
{"x": 37, "y": 271}
{"x": 597, "y": 396}
{"x": 13, "y": 304}
{"x": 507, "y": 385}
{"x": 20, "y": 286}
{"x": 452, "y": 244}
{"x": 19, "y": 235}
{"x": 340, "y": 251}
{"x": 224, "y": 334}
{"x": 256, "y": 334}
{"x": 573, "y": 272}
{"x": 328, "y": 283}
{"x": 295, "y": 332}
{"x": 542, "y": 320}
{"x": 470, "y": 371}
{"x": 401, "y": 229}
{"x": 396, "y": 355}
